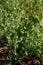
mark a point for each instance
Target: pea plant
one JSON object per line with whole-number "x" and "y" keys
{"x": 21, "y": 27}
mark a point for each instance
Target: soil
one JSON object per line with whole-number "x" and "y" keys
{"x": 30, "y": 60}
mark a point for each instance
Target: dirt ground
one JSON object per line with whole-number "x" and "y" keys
{"x": 30, "y": 60}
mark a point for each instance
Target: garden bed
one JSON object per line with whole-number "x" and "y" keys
{"x": 21, "y": 32}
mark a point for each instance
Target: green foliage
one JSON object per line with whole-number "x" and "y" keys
{"x": 21, "y": 26}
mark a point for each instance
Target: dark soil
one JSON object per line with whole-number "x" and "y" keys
{"x": 32, "y": 59}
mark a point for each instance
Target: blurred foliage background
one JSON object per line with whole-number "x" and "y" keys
{"x": 21, "y": 27}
